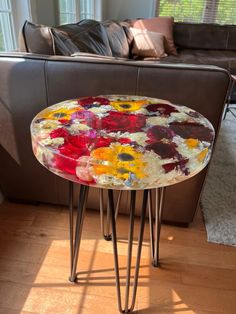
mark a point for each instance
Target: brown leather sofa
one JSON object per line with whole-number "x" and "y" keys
{"x": 31, "y": 82}
{"x": 209, "y": 44}
{"x": 212, "y": 44}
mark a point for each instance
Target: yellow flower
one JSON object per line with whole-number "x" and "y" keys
{"x": 192, "y": 142}
{"x": 130, "y": 105}
{"x": 119, "y": 161}
{"x": 202, "y": 155}
{"x": 61, "y": 113}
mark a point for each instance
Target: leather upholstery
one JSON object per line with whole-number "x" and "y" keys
{"x": 89, "y": 36}
{"x": 205, "y": 36}
{"x": 222, "y": 58}
{"x": 37, "y": 39}
{"x": 23, "y": 94}
{"x": 117, "y": 39}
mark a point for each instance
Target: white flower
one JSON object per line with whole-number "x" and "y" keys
{"x": 108, "y": 180}
{"x": 68, "y": 104}
{"x": 101, "y": 110}
{"x": 54, "y": 142}
{"x": 159, "y": 101}
{"x": 76, "y": 127}
{"x": 157, "y": 121}
{"x": 178, "y": 117}
{"x": 139, "y": 137}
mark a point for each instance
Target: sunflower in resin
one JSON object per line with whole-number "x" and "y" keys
{"x": 128, "y": 105}
{"x": 119, "y": 161}
{"x": 60, "y": 114}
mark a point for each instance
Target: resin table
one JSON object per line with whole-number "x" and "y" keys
{"x": 121, "y": 143}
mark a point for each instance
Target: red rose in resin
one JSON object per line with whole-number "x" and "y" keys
{"x": 157, "y": 133}
{"x": 164, "y": 150}
{"x": 192, "y": 130}
{"x": 90, "y": 102}
{"x": 60, "y": 132}
{"x": 177, "y": 165}
{"x": 163, "y": 109}
{"x": 120, "y": 121}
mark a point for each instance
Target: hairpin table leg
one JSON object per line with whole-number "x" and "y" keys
{"x": 127, "y": 308}
{"x": 155, "y": 223}
{"x": 105, "y": 225}
{"x": 75, "y": 237}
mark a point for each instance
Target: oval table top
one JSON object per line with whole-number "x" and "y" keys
{"x": 122, "y": 141}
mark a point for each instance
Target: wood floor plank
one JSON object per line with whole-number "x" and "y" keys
{"x": 195, "y": 277}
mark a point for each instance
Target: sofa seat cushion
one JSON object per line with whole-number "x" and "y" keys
{"x": 223, "y": 58}
{"x": 88, "y": 36}
{"x": 117, "y": 39}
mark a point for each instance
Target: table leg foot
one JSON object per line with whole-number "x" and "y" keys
{"x": 155, "y": 223}
{"x": 128, "y": 308}
{"x": 75, "y": 235}
{"x": 105, "y": 222}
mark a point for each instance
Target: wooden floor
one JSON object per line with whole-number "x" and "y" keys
{"x": 195, "y": 276}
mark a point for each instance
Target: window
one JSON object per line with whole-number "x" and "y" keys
{"x": 7, "y": 36}
{"x": 87, "y": 9}
{"x": 67, "y": 11}
{"x": 72, "y": 11}
{"x": 197, "y": 11}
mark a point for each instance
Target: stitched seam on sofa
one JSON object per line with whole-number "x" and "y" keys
{"x": 137, "y": 80}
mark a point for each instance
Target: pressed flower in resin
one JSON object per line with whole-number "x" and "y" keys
{"x": 121, "y": 141}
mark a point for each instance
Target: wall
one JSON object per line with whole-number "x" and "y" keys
{"x": 45, "y": 12}
{"x": 21, "y": 13}
{"x": 122, "y": 9}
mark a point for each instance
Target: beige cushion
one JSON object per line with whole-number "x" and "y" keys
{"x": 147, "y": 44}
{"x": 164, "y": 25}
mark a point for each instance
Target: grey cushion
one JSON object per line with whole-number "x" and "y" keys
{"x": 89, "y": 36}
{"x": 117, "y": 39}
{"x": 37, "y": 39}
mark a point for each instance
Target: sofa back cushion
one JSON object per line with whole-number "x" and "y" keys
{"x": 63, "y": 44}
{"x": 147, "y": 44}
{"x": 117, "y": 39}
{"x": 36, "y": 39}
{"x": 205, "y": 36}
{"x": 89, "y": 36}
{"x": 85, "y": 36}
{"x": 162, "y": 25}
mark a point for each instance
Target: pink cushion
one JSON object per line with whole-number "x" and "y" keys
{"x": 162, "y": 25}
{"x": 148, "y": 44}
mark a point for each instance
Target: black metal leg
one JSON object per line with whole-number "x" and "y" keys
{"x": 71, "y": 222}
{"x": 155, "y": 224}
{"x": 75, "y": 237}
{"x": 105, "y": 225}
{"x": 227, "y": 106}
{"x": 127, "y": 308}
